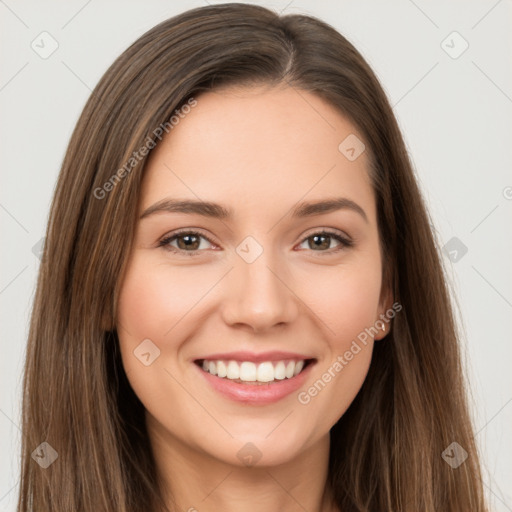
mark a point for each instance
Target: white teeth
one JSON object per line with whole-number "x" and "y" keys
{"x": 233, "y": 371}
{"x": 265, "y": 372}
{"x": 248, "y": 371}
{"x": 279, "y": 370}
{"x": 290, "y": 368}
{"x": 222, "y": 371}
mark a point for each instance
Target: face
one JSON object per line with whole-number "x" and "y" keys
{"x": 243, "y": 321}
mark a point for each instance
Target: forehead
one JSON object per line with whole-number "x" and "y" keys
{"x": 257, "y": 148}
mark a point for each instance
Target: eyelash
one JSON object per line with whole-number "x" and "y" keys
{"x": 345, "y": 243}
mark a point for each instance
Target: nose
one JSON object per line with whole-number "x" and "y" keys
{"x": 258, "y": 296}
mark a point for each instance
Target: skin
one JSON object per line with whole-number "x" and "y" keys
{"x": 258, "y": 151}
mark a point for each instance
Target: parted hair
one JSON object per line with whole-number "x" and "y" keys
{"x": 385, "y": 452}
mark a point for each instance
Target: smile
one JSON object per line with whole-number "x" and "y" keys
{"x": 250, "y": 372}
{"x": 255, "y": 380}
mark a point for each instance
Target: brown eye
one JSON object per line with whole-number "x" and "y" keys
{"x": 186, "y": 242}
{"x": 321, "y": 242}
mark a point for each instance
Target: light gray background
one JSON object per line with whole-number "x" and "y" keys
{"x": 455, "y": 114}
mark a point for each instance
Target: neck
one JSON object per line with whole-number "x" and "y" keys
{"x": 194, "y": 481}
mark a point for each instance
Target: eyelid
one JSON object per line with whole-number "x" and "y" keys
{"x": 166, "y": 239}
{"x": 328, "y": 231}
{"x": 345, "y": 240}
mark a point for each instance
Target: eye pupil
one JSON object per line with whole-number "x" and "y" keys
{"x": 321, "y": 244}
{"x": 190, "y": 241}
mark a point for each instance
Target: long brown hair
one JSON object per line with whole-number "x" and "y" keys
{"x": 386, "y": 450}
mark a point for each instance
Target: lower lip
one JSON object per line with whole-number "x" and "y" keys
{"x": 257, "y": 393}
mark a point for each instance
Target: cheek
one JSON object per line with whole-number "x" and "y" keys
{"x": 151, "y": 304}
{"x": 344, "y": 299}
{"x": 153, "y": 300}
{"x": 158, "y": 302}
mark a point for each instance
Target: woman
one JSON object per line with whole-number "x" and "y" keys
{"x": 241, "y": 304}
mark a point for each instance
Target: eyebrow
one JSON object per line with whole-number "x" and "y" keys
{"x": 217, "y": 211}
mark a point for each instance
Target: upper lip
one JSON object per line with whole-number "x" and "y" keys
{"x": 276, "y": 355}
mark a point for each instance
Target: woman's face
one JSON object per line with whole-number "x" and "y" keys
{"x": 256, "y": 290}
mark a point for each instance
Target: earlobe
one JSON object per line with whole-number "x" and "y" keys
{"x": 384, "y": 329}
{"x": 383, "y": 322}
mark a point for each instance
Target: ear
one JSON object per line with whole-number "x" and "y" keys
{"x": 383, "y": 321}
